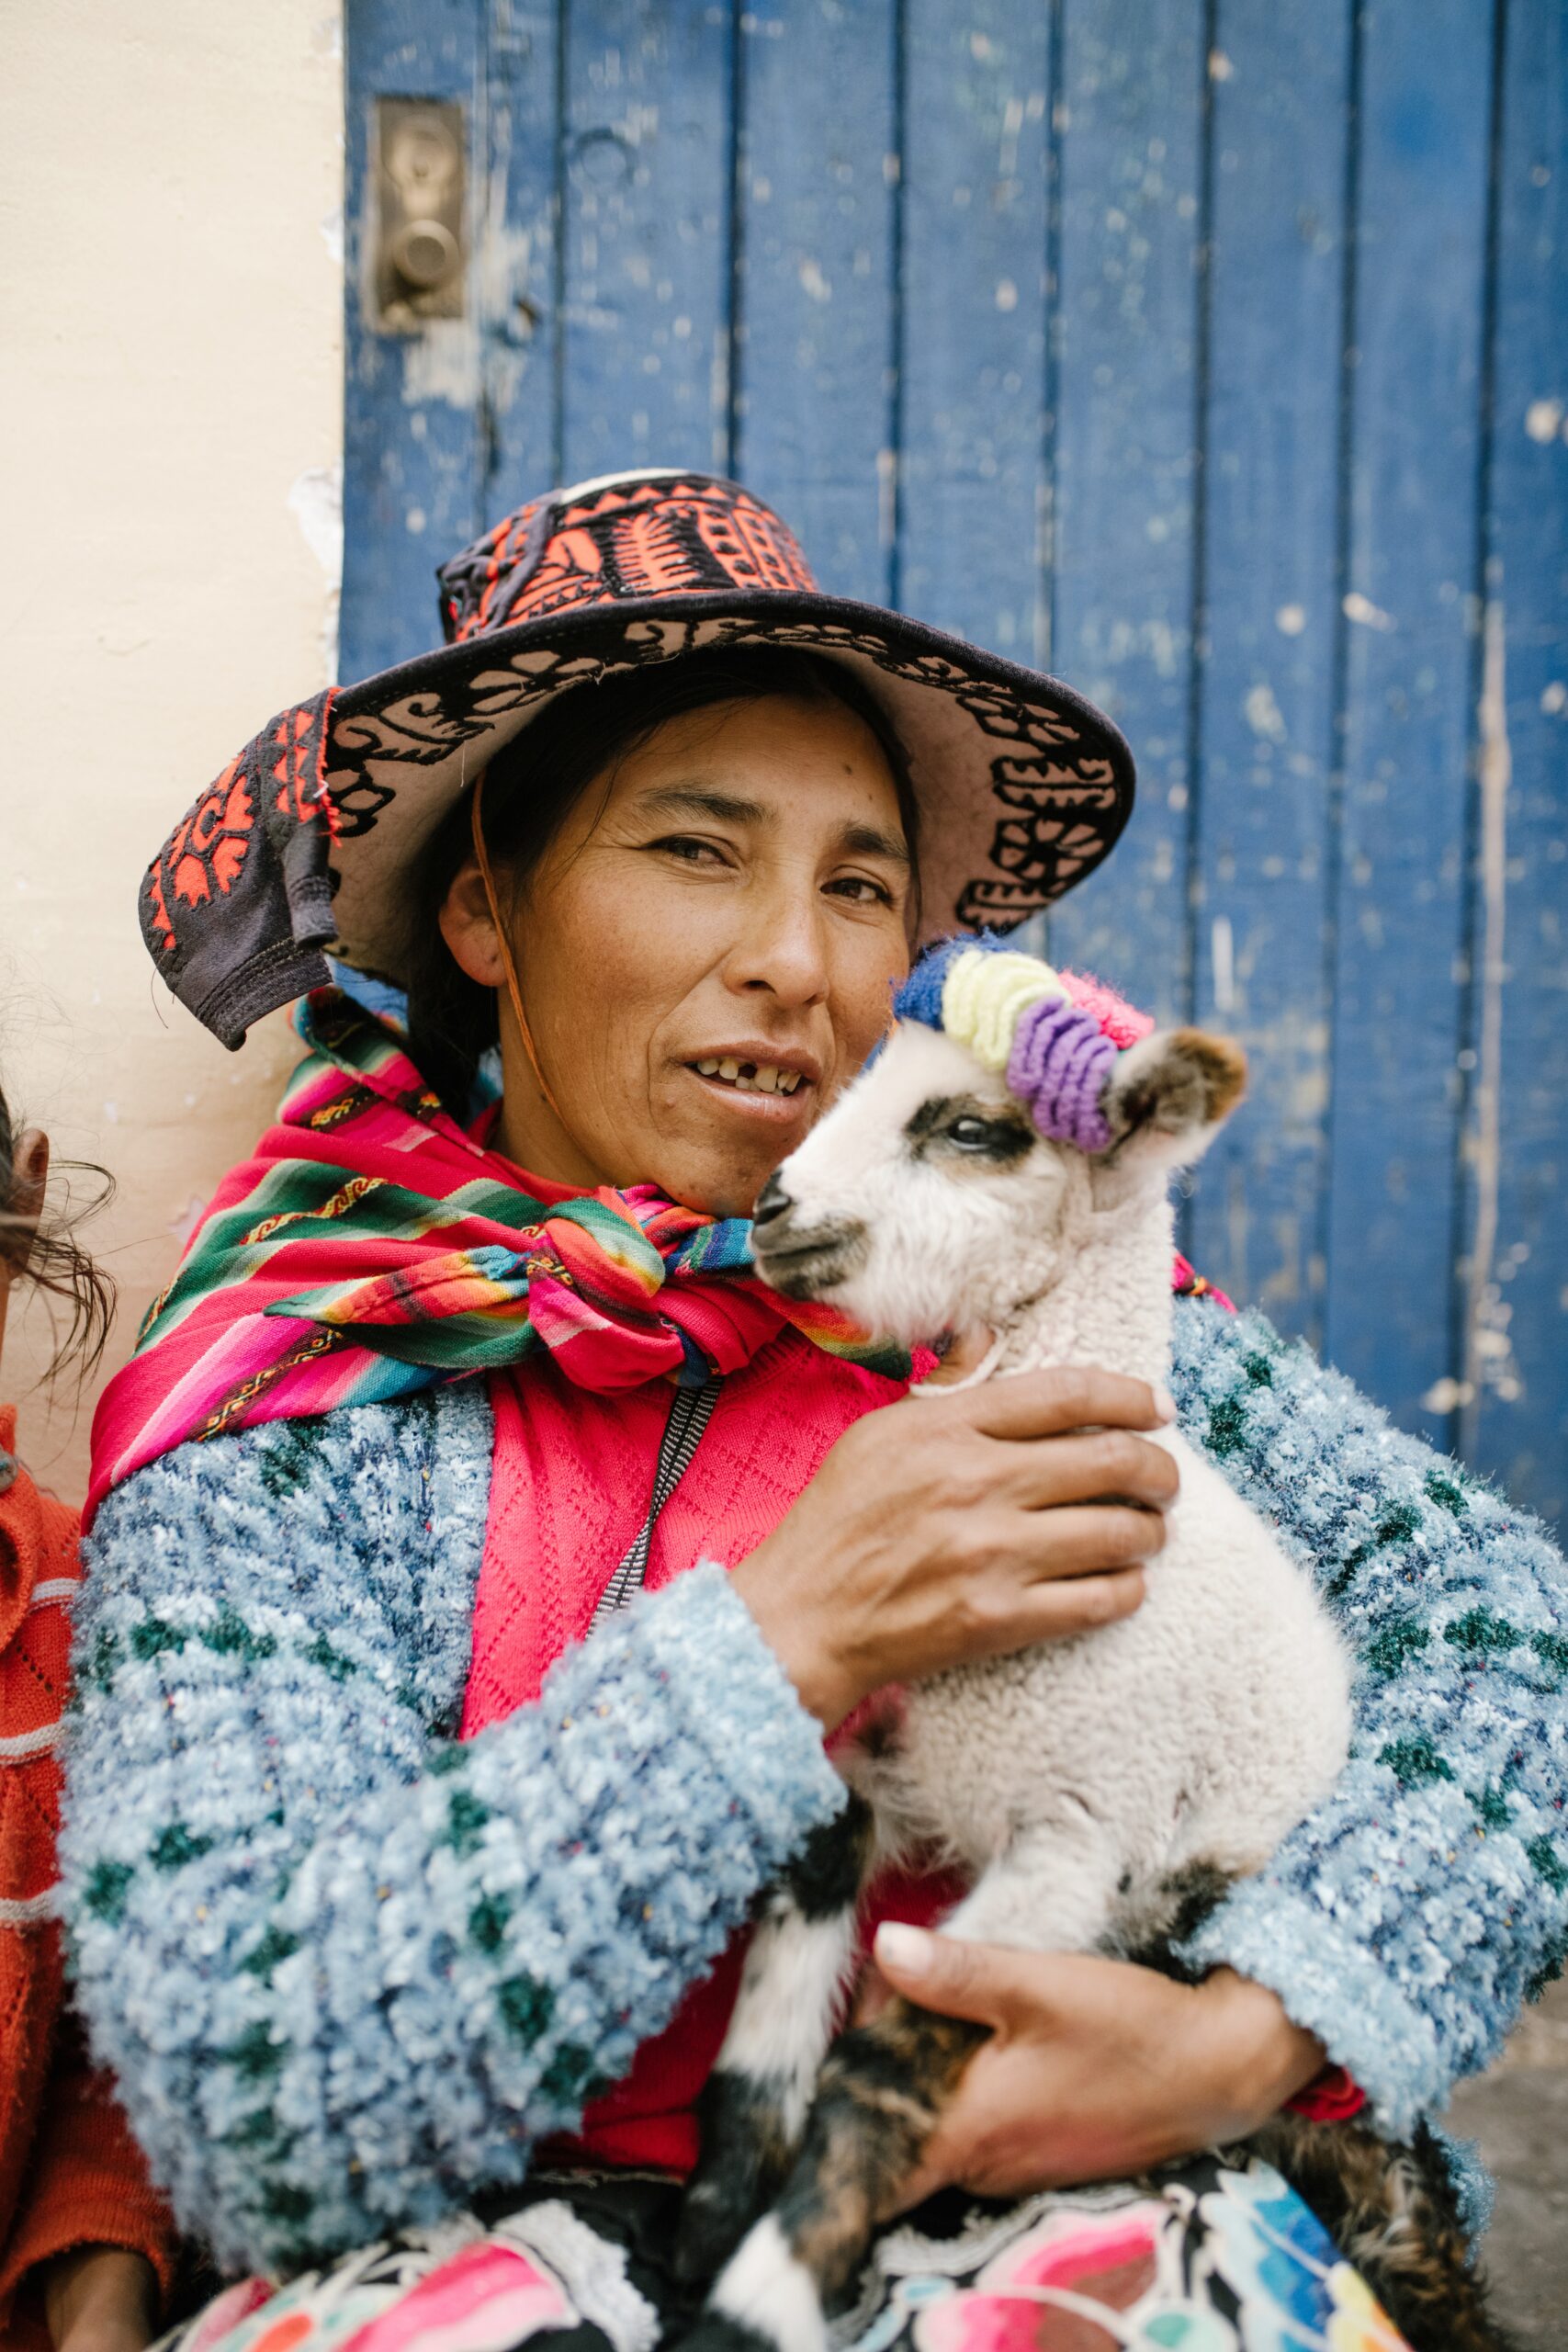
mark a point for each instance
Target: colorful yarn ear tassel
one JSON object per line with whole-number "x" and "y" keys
{"x": 1054, "y": 1034}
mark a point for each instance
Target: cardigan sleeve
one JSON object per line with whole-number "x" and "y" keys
{"x": 1406, "y": 1919}
{"x": 346, "y": 1969}
{"x": 86, "y": 2184}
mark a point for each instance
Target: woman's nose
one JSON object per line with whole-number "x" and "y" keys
{"x": 782, "y": 950}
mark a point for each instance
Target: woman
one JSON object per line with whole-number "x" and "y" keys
{"x": 391, "y": 1901}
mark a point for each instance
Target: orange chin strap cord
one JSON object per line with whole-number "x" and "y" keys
{"x": 476, "y": 827}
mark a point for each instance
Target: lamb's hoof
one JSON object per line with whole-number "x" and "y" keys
{"x": 711, "y": 2226}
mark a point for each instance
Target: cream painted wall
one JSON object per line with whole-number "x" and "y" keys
{"x": 170, "y": 424}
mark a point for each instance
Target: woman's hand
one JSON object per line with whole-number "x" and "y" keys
{"x": 957, "y": 1527}
{"x": 100, "y": 2298}
{"x": 1096, "y": 2069}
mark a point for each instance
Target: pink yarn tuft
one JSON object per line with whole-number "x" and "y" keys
{"x": 1119, "y": 1021}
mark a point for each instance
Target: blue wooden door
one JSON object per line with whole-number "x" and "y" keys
{"x": 1212, "y": 353}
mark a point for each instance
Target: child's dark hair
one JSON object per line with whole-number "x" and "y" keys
{"x": 531, "y": 787}
{"x": 47, "y": 1250}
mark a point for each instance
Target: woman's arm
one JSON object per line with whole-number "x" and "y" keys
{"x": 345, "y": 1969}
{"x": 1407, "y": 1918}
{"x": 91, "y": 2241}
{"x": 100, "y": 2298}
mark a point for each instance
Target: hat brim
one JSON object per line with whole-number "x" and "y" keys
{"x": 308, "y": 842}
{"x": 1023, "y": 786}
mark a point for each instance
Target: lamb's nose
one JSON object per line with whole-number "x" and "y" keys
{"x": 772, "y": 1201}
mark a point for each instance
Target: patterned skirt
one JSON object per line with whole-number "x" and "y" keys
{"x": 1209, "y": 2257}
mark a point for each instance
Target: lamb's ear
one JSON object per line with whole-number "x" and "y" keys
{"x": 1169, "y": 1092}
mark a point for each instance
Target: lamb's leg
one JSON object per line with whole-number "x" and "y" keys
{"x": 755, "y": 2103}
{"x": 1054, "y": 1890}
{"x": 879, "y": 2100}
{"x": 883, "y": 2092}
{"x": 1393, "y": 2213}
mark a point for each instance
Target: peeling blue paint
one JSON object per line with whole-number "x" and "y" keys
{"x": 1216, "y": 356}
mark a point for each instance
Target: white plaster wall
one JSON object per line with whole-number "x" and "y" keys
{"x": 170, "y": 422}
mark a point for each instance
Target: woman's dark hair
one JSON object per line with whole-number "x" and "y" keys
{"x": 530, "y": 788}
{"x": 48, "y": 1251}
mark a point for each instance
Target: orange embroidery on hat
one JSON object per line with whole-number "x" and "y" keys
{"x": 299, "y": 738}
{"x": 208, "y": 849}
{"x": 162, "y": 927}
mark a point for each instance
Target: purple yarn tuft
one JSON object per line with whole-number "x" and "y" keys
{"x": 1060, "y": 1061}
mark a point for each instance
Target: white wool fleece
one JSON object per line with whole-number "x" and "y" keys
{"x": 1079, "y": 1779}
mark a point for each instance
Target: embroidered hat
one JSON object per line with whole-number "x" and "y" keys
{"x": 307, "y": 841}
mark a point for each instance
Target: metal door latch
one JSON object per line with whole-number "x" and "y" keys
{"x": 420, "y": 240}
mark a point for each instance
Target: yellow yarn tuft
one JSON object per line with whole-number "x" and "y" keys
{"x": 984, "y": 995}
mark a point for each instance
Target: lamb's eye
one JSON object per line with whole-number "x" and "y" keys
{"x": 960, "y": 1125}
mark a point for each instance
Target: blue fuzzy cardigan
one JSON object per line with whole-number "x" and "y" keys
{"x": 348, "y": 1970}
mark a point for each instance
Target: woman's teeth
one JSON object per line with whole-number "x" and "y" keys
{"x": 751, "y": 1078}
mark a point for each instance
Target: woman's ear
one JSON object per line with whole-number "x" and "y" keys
{"x": 29, "y": 1180}
{"x": 466, "y": 928}
{"x": 29, "y": 1177}
{"x": 1167, "y": 1095}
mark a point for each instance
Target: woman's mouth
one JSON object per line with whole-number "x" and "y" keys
{"x": 747, "y": 1078}
{"x": 778, "y": 1088}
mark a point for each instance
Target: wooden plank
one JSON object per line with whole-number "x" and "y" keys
{"x": 1409, "y": 668}
{"x": 411, "y": 446}
{"x": 519, "y": 417}
{"x": 972, "y": 465}
{"x": 1126, "y": 455}
{"x": 1280, "y": 95}
{"x": 1516, "y": 1424}
{"x": 646, "y": 229}
{"x": 816, "y": 190}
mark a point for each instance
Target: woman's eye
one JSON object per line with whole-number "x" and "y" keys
{"x": 686, "y": 847}
{"x": 861, "y": 890}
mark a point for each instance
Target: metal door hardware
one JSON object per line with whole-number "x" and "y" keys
{"x": 420, "y": 240}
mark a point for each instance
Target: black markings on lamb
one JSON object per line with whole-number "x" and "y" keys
{"x": 1099, "y": 1795}
{"x": 754, "y": 2106}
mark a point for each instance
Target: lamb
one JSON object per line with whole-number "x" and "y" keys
{"x": 1003, "y": 1161}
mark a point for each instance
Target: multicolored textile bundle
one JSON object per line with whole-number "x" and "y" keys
{"x": 1211, "y": 2257}
{"x": 1054, "y": 1034}
{"x": 371, "y": 1247}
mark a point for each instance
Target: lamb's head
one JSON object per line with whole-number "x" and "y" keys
{"x": 1010, "y": 1105}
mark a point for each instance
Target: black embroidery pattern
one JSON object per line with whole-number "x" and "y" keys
{"x": 1062, "y": 800}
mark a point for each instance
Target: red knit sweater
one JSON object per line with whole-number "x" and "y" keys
{"x": 70, "y": 2174}
{"x": 570, "y": 1485}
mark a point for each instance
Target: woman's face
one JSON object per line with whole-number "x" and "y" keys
{"x": 706, "y": 952}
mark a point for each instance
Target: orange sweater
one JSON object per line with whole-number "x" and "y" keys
{"x": 70, "y": 2174}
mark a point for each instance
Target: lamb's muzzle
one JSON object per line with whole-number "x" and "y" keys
{"x": 802, "y": 1257}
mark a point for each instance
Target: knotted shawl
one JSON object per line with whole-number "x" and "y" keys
{"x": 369, "y": 1249}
